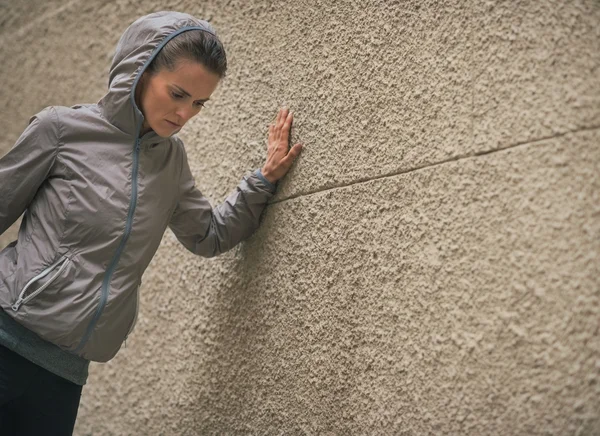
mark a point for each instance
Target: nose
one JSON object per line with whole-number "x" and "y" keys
{"x": 184, "y": 114}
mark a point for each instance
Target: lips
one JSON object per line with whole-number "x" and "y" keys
{"x": 173, "y": 124}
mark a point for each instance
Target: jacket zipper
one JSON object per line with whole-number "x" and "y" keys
{"x": 23, "y": 300}
{"x": 115, "y": 259}
{"x": 133, "y": 201}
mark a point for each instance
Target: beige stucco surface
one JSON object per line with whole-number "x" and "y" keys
{"x": 431, "y": 265}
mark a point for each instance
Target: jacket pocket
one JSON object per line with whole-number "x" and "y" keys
{"x": 53, "y": 270}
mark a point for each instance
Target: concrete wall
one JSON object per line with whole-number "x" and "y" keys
{"x": 431, "y": 263}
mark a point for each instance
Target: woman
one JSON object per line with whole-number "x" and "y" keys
{"x": 99, "y": 185}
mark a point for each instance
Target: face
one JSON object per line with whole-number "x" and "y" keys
{"x": 170, "y": 98}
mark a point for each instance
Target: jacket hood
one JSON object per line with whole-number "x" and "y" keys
{"x": 137, "y": 47}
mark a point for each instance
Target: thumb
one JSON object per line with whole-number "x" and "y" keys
{"x": 293, "y": 153}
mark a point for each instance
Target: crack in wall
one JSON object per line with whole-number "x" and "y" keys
{"x": 434, "y": 164}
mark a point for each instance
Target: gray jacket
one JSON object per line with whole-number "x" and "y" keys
{"x": 97, "y": 199}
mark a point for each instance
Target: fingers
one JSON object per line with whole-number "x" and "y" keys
{"x": 271, "y": 134}
{"x": 280, "y": 129}
{"x": 287, "y": 124}
{"x": 281, "y": 117}
{"x": 288, "y": 160}
{"x": 279, "y": 133}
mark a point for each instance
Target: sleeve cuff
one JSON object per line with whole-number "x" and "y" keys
{"x": 259, "y": 173}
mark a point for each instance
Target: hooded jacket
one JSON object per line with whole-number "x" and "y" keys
{"x": 97, "y": 199}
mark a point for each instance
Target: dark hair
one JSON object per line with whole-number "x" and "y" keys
{"x": 192, "y": 45}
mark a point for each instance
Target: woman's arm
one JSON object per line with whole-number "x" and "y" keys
{"x": 27, "y": 164}
{"x": 208, "y": 231}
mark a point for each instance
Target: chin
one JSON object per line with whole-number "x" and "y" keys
{"x": 165, "y": 132}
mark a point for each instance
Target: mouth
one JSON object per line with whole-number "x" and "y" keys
{"x": 172, "y": 124}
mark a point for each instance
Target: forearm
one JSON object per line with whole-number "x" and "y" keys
{"x": 207, "y": 231}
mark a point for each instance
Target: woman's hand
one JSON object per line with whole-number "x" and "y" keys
{"x": 279, "y": 158}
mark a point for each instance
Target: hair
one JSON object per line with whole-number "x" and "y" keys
{"x": 192, "y": 45}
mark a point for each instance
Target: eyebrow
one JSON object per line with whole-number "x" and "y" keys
{"x": 188, "y": 94}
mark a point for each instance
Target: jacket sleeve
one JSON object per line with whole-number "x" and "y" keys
{"x": 26, "y": 165}
{"x": 208, "y": 231}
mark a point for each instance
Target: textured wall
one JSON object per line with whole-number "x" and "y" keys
{"x": 431, "y": 265}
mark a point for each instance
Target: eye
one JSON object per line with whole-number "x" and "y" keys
{"x": 176, "y": 96}
{"x": 199, "y": 105}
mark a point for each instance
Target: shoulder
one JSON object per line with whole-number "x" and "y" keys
{"x": 177, "y": 142}
{"x": 45, "y": 123}
{"x": 52, "y": 118}
{"x": 78, "y": 113}
{"x": 59, "y": 122}
{"x": 178, "y": 147}
{"x": 81, "y": 123}
{"x": 45, "y": 117}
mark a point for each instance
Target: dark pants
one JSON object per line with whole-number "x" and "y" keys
{"x": 34, "y": 401}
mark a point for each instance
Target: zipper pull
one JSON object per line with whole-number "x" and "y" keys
{"x": 17, "y": 304}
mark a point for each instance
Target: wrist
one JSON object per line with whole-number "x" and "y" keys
{"x": 271, "y": 186}
{"x": 267, "y": 175}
